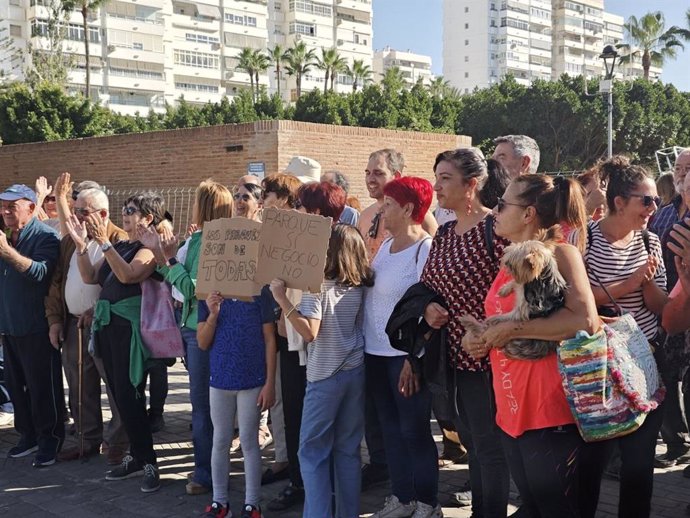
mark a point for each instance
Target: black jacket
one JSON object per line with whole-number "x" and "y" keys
{"x": 409, "y": 332}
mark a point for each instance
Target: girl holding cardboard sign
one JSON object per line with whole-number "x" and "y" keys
{"x": 333, "y": 415}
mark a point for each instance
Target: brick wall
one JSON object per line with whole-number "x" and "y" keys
{"x": 182, "y": 158}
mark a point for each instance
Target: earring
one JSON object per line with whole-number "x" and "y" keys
{"x": 469, "y": 208}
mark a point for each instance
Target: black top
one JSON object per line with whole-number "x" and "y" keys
{"x": 113, "y": 290}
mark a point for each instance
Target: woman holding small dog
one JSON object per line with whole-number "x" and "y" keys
{"x": 462, "y": 264}
{"x": 542, "y": 443}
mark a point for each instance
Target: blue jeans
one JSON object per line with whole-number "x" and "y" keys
{"x": 410, "y": 448}
{"x": 332, "y": 428}
{"x": 202, "y": 428}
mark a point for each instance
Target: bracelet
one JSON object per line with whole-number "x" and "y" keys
{"x": 292, "y": 310}
{"x": 86, "y": 249}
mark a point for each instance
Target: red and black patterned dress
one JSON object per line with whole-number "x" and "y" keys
{"x": 461, "y": 269}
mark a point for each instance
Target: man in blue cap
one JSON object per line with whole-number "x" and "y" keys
{"x": 29, "y": 251}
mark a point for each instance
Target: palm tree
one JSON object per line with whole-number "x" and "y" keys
{"x": 262, "y": 62}
{"x": 358, "y": 71}
{"x": 439, "y": 86}
{"x": 298, "y": 62}
{"x": 331, "y": 63}
{"x": 277, "y": 57}
{"x": 247, "y": 62}
{"x": 85, "y": 6}
{"x": 650, "y": 40}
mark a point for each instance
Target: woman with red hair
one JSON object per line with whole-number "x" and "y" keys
{"x": 402, "y": 400}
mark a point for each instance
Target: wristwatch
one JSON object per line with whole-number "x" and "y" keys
{"x": 106, "y": 246}
{"x": 171, "y": 262}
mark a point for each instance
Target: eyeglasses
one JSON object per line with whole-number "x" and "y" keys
{"x": 86, "y": 212}
{"x": 128, "y": 211}
{"x": 243, "y": 197}
{"x": 75, "y": 195}
{"x": 501, "y": 204}
{"x": 647, "y": 200}
{"x": 50, "y": 199}
{"x": 374, "y": 228}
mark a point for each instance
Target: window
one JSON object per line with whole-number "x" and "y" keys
{"x": 16, "y": 2}
{"x": 309, "y": 7}
{"x": 240, "y": 19}
{"x": 73, "y": 32}
{"x": 467, "y": 26}
{"x": 467, "y": 9}
{"x": 467, "y": 74}
{"x": 201, "y": 38}
{"x": 467, "y": 42}
{"x": 467, "y": 59}
{"x": 197, "y": 87}
{"x": 195, "y": 59}
{"x": 16, "y": 30}
{"x": 308, "y": 29}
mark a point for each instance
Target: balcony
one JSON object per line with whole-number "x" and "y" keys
{"x": 354, "y": 7}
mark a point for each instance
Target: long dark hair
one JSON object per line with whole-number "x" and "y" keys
{"x": 492, "y": 178}
{"x": 556, "y": 200}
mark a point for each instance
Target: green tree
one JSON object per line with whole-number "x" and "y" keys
{"x": 415, "y": 109}
{"x": 650, "y": 41}
{"x": 324, "y": 108}
{"x": 359, "y": 72}
{"x": 299, "y": 61}
{"x": 331, "y": 62}
{"x": 85, "y": 7}
{"x": 393, "y": 80}
{"x": 277, "y": 57}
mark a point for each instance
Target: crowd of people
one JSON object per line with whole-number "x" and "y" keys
{"x": 372, "y": 356}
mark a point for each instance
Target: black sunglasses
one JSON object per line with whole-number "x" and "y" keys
{"x": 50, "y": 198}
{"x": 647, "y": 200}
{"x": 75, "y": 194}
{"x": 243, "y": 197}
{"x": 128, "y": 211}
{"x": 501, "y": 204}
{"x": 374, "y": 228}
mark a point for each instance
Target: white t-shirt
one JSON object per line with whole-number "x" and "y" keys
{"x": 394, "y": 274}
{"x": 443, "y": 216}
{"x": 79, "y": 296}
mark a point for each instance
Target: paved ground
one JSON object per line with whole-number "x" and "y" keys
{"x": 77, "y": 490}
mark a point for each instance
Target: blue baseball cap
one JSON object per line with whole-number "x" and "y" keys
{"x": 18, "y": 192}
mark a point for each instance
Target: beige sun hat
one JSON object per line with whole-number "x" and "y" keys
{"x": 305, "y": 169}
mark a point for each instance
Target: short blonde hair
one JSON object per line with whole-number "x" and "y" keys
{"x": 212, "y": 200}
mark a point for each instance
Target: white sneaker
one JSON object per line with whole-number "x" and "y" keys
{"x": 426, "y": 511}
{"x": 394, "y": 508}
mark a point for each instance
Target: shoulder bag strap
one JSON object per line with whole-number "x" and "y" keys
{"x": 594, "y": 274}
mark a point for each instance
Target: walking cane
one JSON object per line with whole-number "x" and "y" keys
{"x": 80, "y": 364}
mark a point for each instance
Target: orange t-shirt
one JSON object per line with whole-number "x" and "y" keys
{"x": 529, "y": 394}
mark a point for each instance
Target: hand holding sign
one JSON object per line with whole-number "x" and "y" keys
{"x": 293, "y": 248}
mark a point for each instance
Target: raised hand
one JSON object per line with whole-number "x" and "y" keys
{"x": 63, "y": 186}
{"x": 77, "y": 231}
{"x": 42, "y": 190}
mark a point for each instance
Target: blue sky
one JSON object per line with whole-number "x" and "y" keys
{"x": 416, "y": 25}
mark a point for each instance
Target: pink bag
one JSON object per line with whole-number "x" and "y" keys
{"x": 159, "y": 331}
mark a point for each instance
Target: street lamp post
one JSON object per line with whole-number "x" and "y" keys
{"x": 609, "y": 56}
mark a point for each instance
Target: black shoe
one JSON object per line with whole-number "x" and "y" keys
{"x": 287, "y": 498}
{"x": 22, "y": 449}
{"x": 373, "y": 474}
{"x": 672, "y": 457}
{"x": 41, "y": 460}
{"x": 156, "y": 422}
{"x": 152, "y": 481}
{"x": 686, "y": 472}
{"x": 269, "y": 476}
{"x": 128, "y": 468}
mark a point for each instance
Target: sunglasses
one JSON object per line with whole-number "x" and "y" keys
{"x": 128, "y": 211}
{"x": 85, "y": 212}
{"x": 75, "y": 195}
{"x": 50, "y": 199}
{"x": 374, "y": 228}
{"x": 243, "y": 197}
{"x": 647, "y": 200}
{"x": 502, "y": 204}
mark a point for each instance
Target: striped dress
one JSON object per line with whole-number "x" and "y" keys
{"x": 340, "y": 342}
{"x": 615, "y": 264}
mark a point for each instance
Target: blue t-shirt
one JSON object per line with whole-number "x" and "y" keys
{"x": 238, "y": 353}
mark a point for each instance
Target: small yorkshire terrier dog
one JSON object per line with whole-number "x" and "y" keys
{"x": 539, "y": 291}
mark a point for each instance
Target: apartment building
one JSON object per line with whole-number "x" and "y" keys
{"x": 342, "y": 24}
{"x": 413, "y": 67}
{"x": 144, "y": 53}
{"x": 13, "y": 37}
{"x": 485, "y": 40}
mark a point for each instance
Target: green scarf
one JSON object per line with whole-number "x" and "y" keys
{"x": 129, "y": 309}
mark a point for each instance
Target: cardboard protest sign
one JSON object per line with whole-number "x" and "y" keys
{"x": 228, "y": 258}
{"x": 293, "y": 248}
